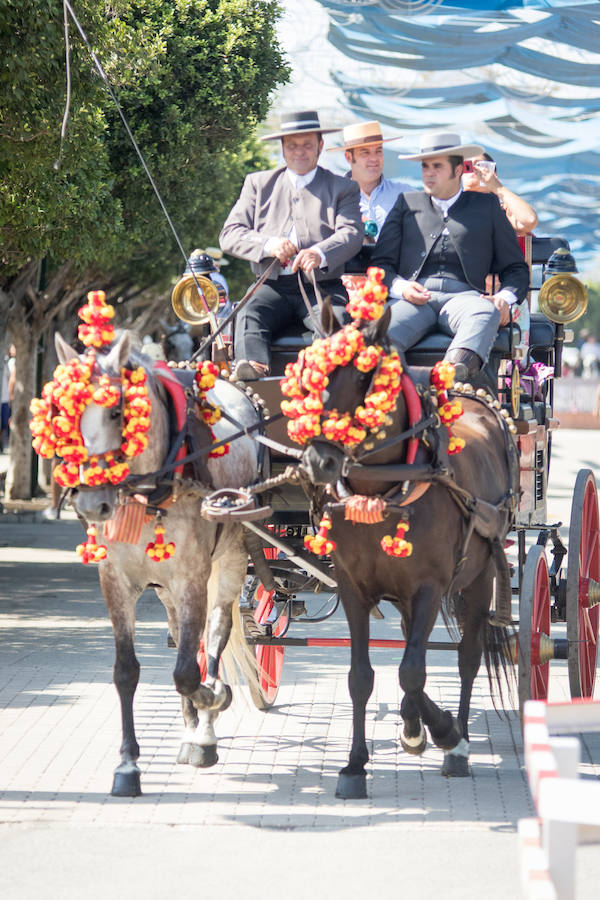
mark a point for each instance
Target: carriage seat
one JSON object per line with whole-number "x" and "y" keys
{"x": 433, "y": 346}
{"x": 430, "y": 348}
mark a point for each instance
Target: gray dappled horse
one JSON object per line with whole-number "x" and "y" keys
{"x": 199, "y": 585}
{"x": 442, "y": 556}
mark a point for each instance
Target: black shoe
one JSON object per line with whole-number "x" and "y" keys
{"x": 466, "y": 363}
{"x": 244, "y": 371}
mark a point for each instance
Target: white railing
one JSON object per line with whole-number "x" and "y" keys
{"x": 568, "y": 807}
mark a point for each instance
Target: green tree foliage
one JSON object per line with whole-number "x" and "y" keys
{"x": 193, "y": 78}
{"x": 590, "y": 322}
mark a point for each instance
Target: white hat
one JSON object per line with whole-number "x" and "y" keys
{"x": 363, "y": 134}
{"x": 444, "y": 143}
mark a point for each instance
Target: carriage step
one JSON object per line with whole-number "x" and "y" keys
{"x": 240, "y": 505}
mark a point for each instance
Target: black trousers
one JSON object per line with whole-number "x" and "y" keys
{"x": 274, "y": 307}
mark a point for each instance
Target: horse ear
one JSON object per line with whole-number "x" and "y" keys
{"x": 119, "y": 354}
{"x": 377, "y": 330}
{"x": 64, "y": 351}
{"x": 329, "y": 321}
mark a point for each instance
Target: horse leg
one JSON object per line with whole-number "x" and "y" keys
{"x": 213, "y": 696}
{"x": 413, "y": 737}
{"x": 443, "y": 728}
{"x": 199, "y": 747}
{"x": 121, "y": 608}
{"x": 352, "y": 780}
{"x": 475, "y": 605}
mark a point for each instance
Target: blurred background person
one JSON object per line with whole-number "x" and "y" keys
{"x": 8, "y": 376}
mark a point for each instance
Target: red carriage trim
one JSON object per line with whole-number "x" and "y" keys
{"x": 413, "y": 405}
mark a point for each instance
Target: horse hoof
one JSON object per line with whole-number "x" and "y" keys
{"x": 456, "y": 766}
{"x": 409, "y": 745}
{"x": 185, "y": 751}
{"x": 228, "y": 698}
{"x": 126, "y": 784}
{"x": 351, "y": 787}
{"x": 203, "y": 756}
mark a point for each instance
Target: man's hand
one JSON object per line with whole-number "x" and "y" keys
{"x": 283, "y": 250}
{"x": 502, "y": 306}
{"x": 488, "y": 179}
{"x": 307, "y": 260}
{"x": 415, "y": 293}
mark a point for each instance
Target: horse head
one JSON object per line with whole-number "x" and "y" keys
{"x": 343, "y": 398}
{"x": 101, "y": 427}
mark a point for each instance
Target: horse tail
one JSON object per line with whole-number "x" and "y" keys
{"x": 238, "y": 658}
{"x": 498, "y": 644}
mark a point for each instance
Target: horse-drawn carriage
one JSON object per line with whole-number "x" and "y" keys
{"x": 389, "y": 463}
{"x": 546, "y": 593}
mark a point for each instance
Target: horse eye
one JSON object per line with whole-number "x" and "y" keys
{"x": 115, "y": 413}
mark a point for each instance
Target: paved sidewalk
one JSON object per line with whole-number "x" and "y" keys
{"x": 264, "y": 819}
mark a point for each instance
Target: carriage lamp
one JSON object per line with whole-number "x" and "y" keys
{"x": 562, "y": 260}
{"x": 562, "y": 297}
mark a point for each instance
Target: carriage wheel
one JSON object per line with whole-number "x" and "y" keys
{"x": 583, "y": 566}
{"x": 534, "y": 621}
{"x": 270, "y": 659}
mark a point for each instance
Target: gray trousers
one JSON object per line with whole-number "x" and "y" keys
{"x": 455, "y": 308}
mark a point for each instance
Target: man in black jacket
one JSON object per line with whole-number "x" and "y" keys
{"x": 437, "y": 246}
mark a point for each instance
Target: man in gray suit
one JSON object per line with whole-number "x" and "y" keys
{"x": 306, "y": 218}
{"x": 437, "y": 246}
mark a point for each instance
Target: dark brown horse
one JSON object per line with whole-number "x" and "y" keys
{"x": 457, "y": 528}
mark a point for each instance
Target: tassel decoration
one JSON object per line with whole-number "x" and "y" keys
{"x": 320, "y": 543}
{"x": 157, "y": 550}
{"x": 397, "y": 546}
{"x": 91, "y": 551}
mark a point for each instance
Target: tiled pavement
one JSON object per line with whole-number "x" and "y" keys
{"x": 264, "y": 818}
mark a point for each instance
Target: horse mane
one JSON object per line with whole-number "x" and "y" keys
{"x": 136, "y": 359}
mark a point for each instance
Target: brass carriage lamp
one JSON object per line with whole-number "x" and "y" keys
{"x": 562, "y": 297}
{"x": 195, "y": 297}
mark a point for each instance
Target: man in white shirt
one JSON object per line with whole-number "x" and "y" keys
{"x": 437, "y": 246}
{"x": 363, "y": 149}
{"x": 306, "y": 218}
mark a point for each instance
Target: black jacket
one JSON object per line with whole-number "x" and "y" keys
{"x": 484, "y": 239}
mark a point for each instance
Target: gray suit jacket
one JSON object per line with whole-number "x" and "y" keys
{"x": 326, "y": 214}
{"x": 484, "y": 239}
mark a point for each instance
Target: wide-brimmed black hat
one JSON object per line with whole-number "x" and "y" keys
{"x": 299, "y": 123}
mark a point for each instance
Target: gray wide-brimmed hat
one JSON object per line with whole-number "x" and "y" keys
{"x": 444, "y": 143}
{"x": 303, "y": 122}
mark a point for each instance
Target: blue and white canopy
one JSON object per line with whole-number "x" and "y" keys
{"x": 520, "y": 78}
